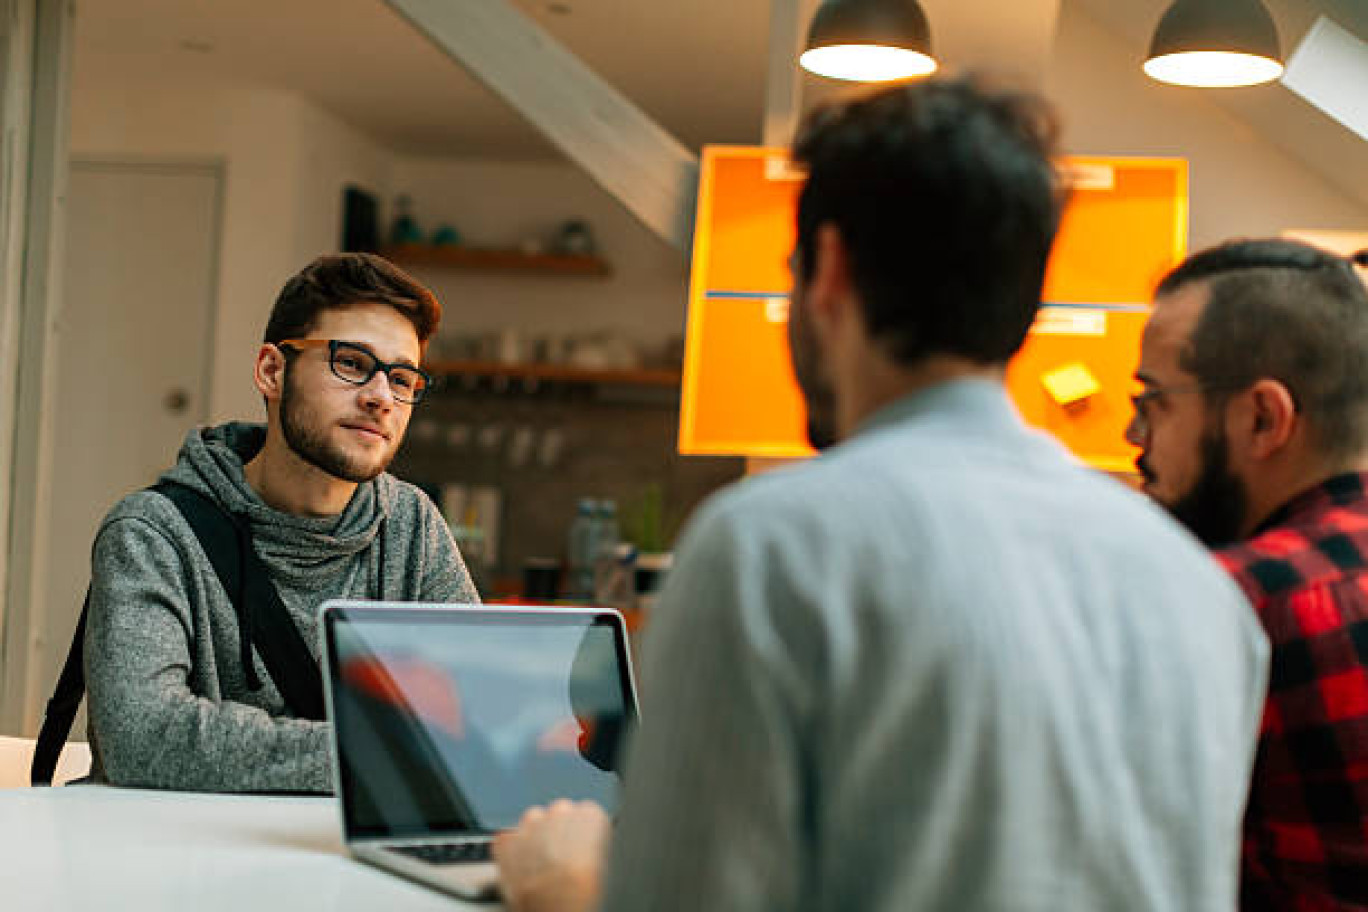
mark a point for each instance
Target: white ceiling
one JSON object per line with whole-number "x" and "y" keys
{"x": 697, "y": 66}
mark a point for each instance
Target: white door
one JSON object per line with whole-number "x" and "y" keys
{"x": 133, "y": 357}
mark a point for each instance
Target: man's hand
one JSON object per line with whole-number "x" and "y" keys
{"x": 553, "y": 860}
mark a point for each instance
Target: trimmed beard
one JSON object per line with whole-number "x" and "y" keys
{"x": 310, "y": 443}
{"x": 1215, "y": 507}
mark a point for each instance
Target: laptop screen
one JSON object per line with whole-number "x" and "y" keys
{"x": 452, "y": 720}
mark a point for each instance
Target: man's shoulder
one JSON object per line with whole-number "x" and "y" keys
{"x": 920, "y": 470}
{"x": 837, "y": 493}
{"x": 930, "y": 471}
{"x": 785, "y": 492}
{"x": 1294, "y": 556}
{"x": 146, "y": 506}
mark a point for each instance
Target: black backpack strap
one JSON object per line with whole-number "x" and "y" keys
{"x": 222, "y": 540}
{"x": 61, "y": 709}
{"x": 263, "y": 620}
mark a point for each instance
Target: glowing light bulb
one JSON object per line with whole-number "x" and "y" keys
{"x": 1213, "y": 69}
{"x": 866, "y": 62}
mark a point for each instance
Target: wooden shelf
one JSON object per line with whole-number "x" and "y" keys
{"x": 454, "y": 257}
{"x": 554, "y": 372}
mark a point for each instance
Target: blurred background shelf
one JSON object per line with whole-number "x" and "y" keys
{"x": 475, "y": 259}
{"x": 555, "y": 372}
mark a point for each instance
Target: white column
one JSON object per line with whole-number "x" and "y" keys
{"x": 35, "y": 64}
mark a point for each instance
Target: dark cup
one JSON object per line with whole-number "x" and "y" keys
{"x": 651, "y": 570}
{"x": 541, "y": 579}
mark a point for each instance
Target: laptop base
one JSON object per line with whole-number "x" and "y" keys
{"x": 477, "y": 881}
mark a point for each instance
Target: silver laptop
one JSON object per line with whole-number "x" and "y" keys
{"x": 449, "y": 721}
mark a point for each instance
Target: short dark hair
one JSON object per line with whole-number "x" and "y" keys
{"x": 1289, "y": 311}
{"x": 947, "y": 200}
{"x": 341, "y": 280}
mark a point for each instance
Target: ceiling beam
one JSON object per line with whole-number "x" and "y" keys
{"x": 1330, "y": 70}
{"x": 622, "y": 148}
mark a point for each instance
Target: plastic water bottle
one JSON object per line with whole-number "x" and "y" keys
{"x": 613, "y": 581}
{"x": 582, "y": 550}
{"x": 608, "y": 534}
{"x": 606, "y": 537}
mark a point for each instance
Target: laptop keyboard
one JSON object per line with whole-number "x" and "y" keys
{"x": 445, "y": 853}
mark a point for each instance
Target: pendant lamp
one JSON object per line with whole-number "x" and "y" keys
{"x": 1215, "y": 44}
{"x": 869, "y": 41}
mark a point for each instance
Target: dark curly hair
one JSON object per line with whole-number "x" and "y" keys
{"x": 948, "y": 201}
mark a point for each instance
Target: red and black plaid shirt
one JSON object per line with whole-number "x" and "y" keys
{"x": 1306, "y": 829}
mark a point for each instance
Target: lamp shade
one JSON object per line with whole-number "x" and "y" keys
{"x": 869, "y": 41}
{"x": 1214, "y": 44}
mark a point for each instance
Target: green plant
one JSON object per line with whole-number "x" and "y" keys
{"x": 646, "y": 522}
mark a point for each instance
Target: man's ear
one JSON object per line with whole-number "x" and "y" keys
{"x": 1266, "y": 417}
{"x": 269, "y": 371}
{"x": 829, "y": 288}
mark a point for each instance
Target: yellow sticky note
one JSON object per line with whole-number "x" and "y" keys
{"x": 1070, "y": 383}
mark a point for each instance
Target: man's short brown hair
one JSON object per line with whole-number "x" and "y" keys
{"x": 341, "y": 280}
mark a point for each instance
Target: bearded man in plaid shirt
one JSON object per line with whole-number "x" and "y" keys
{"x": 1253, "y": 424}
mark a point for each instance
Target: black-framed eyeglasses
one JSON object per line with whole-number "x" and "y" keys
{"x": 358, "y": 365}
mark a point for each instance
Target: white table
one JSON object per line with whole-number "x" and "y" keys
{"x": 92, "y": 847}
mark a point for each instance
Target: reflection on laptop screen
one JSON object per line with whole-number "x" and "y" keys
{"x": 461, "y": 720}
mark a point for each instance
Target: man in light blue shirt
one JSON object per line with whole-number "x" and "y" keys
{"x": 941, "y": 666}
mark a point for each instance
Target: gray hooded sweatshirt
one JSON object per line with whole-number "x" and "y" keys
{"x": 169, "y": 702}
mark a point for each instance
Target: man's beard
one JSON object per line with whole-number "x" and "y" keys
{"x": 310, "y": 443}
{"x": 818, "y": 395}
{"x": 1215, "y": 507}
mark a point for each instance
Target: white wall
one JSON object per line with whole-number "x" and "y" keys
{"x": 1241, "y": 185}
{"x": 331, "y": 154}
{"x": 286, "y": 162}
{"x": 497, "y": 204}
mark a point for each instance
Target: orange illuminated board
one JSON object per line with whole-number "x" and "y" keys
{"x": 1126, "y": 224}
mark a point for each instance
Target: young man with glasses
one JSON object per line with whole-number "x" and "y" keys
{"x": 1253, "y": 429}
{"x": 179, "y": 695}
